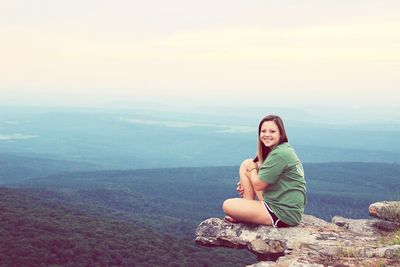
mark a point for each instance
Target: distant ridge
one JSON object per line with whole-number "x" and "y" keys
{"x": 17, "y": 168}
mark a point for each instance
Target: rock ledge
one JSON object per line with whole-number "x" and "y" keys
{"x": 314, "y": 242}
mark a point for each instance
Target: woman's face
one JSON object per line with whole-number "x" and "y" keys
{"x": 269, "y": 134}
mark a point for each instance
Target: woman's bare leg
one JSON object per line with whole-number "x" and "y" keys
{"x": 244, "y": 176}
{"x": 247, "y": 210}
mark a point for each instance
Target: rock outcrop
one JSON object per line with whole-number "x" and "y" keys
{"x": 386, "y": 210}
{"x": 315, "y": 242}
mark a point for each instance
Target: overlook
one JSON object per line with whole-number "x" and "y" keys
{"x": 315, "y": 242}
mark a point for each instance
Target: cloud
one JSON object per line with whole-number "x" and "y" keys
{"x": 219, "y": 51}
{"x": 14, "y": 137}
{"x": 11, "y": 122}
{"x": 220, "y": 128}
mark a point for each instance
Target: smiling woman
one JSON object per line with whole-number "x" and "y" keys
{"x": 275, "y": 177}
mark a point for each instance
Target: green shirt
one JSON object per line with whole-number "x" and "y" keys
{"x": 286, "y": 191}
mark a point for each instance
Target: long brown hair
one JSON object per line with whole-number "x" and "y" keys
{"x": 262, "y": 150}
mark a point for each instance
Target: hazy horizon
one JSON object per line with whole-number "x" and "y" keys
{"x": 318, "y": 55}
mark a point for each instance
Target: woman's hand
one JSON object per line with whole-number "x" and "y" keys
{"x": 240, "y": 189}
{"x": 251, "y": 165}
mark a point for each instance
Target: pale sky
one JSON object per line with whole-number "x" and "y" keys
{"x": 219, "y": 52}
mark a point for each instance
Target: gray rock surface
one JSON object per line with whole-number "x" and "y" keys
{"x": 387, "y": 210}
{"x": 312, "y": 243}
{"x": 366, "y": 226}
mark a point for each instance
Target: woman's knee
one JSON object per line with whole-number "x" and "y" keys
{"x": 243, "y": 166}
{"x": 228, "y": 205}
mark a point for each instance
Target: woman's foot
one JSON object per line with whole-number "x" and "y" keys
{"x": 230, "y": 219}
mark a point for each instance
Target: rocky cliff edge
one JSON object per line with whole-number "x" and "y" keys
{"x": 314, "y": 242}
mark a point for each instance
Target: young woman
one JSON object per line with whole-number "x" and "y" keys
{"x": 275, "y": 177}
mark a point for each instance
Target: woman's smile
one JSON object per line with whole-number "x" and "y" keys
{"x": 269, "y": 134}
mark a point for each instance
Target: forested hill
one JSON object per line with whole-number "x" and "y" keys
{"x": 108, "y": 217}
{"x": 344, "y": 189}
{"x": 38, "y": 232}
